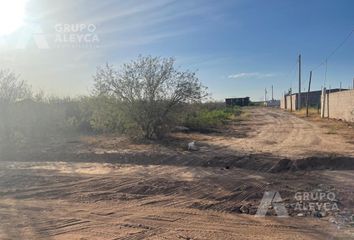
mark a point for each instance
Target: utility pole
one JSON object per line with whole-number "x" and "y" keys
{"x": 353, "y": 83}
{"x": 265, "y": 95}
{"x": 323, "y": 108}
{"x": 299, "y": 96}
{"x": 272, "y": 93}
{"x": 308, "y": 96}
{"x": 329, "y": 91}
{"x": 291, "y": 99}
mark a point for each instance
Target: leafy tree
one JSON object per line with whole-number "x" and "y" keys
{"x": 151, "y": 89}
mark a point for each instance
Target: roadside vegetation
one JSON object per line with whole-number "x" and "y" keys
{"x": 207, "y": 118}
{"x": 146, "y": 99}
{"x": 314, "y": 111}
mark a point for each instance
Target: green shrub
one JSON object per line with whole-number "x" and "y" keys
{"x": 235, "y": 110}
{"x": 101, "y": 114}
{"x": 204, "y": 119}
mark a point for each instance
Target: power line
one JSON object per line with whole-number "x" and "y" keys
{"x": 325, "y": 76}
{"x": 334, "y": 51}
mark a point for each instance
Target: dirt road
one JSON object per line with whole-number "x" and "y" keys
{"x": 167, "y": 192}
{"x": 282, "y": 134}
{"x": 96, "y": 201}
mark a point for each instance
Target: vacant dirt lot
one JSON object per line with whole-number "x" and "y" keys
{"x": 107, "y": 187}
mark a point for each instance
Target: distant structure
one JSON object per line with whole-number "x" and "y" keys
{"x": 291, "y": 101}
{"x": 272, "y": 103}
{"x": 238, "y": 101}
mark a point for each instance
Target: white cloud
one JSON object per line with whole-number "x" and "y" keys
{"x": 257, "y": 75}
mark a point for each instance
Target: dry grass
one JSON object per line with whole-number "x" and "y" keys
{"x": 244, "y": 116}
{"x": 332, "y": 129}
{"x": 313, "y": 112}
{"x": 331, "y": 126}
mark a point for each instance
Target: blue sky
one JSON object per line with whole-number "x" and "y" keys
{"x": 238, "y": 47}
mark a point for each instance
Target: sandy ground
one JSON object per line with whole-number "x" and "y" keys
{"x": 281, "y": 134}
{"x": 109, "y": 188}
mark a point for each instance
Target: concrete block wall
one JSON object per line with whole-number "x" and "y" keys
{"x": 341, "y": 105}
{"x": 314, "y": 100}
{"x": 293, "y": 102}
{"x": 287, "y": 101}
{"x": 282, "y": 102}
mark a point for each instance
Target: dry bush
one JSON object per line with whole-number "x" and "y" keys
{"x": 151, "y": 90}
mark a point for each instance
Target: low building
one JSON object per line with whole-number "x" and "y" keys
{"x": 237, "y": 101}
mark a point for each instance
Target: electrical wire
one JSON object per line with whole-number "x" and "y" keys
{"x": 334, "y": 51}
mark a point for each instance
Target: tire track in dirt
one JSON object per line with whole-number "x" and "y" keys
{"x": 283, "y": 134}
{"x": 149, "y": 213}
{"x": 97, "y": 201}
